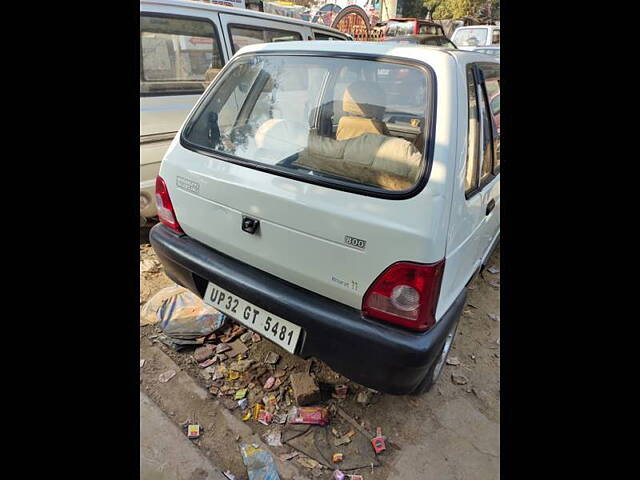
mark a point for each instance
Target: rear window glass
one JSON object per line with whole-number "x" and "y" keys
{"x": 398, "y": 29}
{"x": 348, "y": 121}
{"x": 470, "y": 37}
{"x": 430, "y": 29}
{"x": 431, "y": 41}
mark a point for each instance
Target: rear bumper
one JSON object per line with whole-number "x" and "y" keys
{"x": 371, "y": 353}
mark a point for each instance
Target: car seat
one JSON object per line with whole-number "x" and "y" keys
{"x": 363, "y": 105}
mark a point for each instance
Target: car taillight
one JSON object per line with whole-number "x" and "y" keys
{"x": 166, "y": 213}
{"x": 406, "y": 294}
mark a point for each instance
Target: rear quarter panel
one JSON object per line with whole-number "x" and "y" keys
{"x": 464, "y": 241}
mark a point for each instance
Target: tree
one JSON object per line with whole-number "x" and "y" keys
{"x": 431, "y": 6}
{"x": 452, "y": 9}
{"x": 488, "y": 12}
{"x": 484, "y": 10}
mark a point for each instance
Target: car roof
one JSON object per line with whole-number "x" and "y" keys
{"x": 392, "y": 49}
{"x": 239, "y": 11}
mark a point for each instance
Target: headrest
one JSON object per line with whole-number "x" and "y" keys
{"x": 364, "y": 99}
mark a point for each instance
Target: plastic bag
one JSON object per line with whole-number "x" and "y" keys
{"x": 259, "y": 463}
{"x": 181, "y": 314}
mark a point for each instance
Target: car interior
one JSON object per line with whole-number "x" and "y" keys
{"x": 365, "y": 125}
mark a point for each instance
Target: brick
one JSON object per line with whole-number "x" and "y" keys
{"x": 305, "y": 390}
{"x": 203, "y": 353}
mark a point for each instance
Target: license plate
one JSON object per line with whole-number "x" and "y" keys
{"x": 280, "y": 331}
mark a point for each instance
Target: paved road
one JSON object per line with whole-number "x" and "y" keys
{"x": 165, "y": 452}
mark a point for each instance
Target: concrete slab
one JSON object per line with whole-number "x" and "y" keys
{"x": 165, "y": 452}
{"x": 182, "y": 397}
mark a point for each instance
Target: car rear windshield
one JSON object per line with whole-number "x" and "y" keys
{"x": 343, "y": 121}
{"x": 398, "y": 29}
{"x": 470, "y": 37}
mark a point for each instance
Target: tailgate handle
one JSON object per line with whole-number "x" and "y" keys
{"x": 250, "y": 225}
{"x": 490, "y": 206}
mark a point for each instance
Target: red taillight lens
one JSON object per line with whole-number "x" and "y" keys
{"x": 166, "y": 213}
{"x": 406, "y": 294}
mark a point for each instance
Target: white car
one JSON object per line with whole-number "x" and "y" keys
{"x": 184, "y": 44}
{"x": 337, "y": 198}
{"x": 475, "y": 36}
{"x": 493, "y": 50}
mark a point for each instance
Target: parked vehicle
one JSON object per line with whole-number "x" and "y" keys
{"x": 470, "y": 38}
{"x": 184, "y": 45}
{"x": 399, "y": 27}
{"x": 338, "y": 198}
{"x": 429, "y": 40}
{"x": 489, "y": 50}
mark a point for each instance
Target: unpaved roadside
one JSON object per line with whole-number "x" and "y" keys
{"x": 450, "y": 433}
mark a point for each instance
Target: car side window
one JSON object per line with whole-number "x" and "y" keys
{"x": 486, "y": 134}
{"x": 491, "y": 74}
{"x": 496, "y": 37}
{"x": 324, "y": 36}
{"x": 241, "y": 36}
{"x": 473, "y": 137}
{"x": 178, "y": 55}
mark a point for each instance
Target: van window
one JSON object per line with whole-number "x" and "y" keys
{"x": 496, "y": 37}
{"x": 178, "y": 55}
{"x": 324, "y": 36}
{"x": 473, "y": 137}
{"x": 288, "y": 122}
{"x": 241, "y": 36}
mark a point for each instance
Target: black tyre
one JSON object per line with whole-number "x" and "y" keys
{"x": 438, "y": 366}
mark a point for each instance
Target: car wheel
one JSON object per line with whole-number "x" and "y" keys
{"x": 438, "y": 366}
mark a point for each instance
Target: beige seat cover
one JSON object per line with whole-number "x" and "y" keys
{"x": 388, "y": 162}
{"x": 363, "y": 104}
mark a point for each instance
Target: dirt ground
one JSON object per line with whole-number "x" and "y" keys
{"x": 450, "y": 432}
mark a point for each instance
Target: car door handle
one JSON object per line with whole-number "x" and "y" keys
{"x": 490, "y": 206}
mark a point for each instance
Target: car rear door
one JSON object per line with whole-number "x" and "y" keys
{"x": 487, "y": 77}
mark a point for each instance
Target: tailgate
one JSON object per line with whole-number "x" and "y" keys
{"x": 302, "y": 237}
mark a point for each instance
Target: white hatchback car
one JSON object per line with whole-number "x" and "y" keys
{"x": 337, "y": 198}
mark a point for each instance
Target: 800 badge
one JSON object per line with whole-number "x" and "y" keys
{"x": 355, "y": 242}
